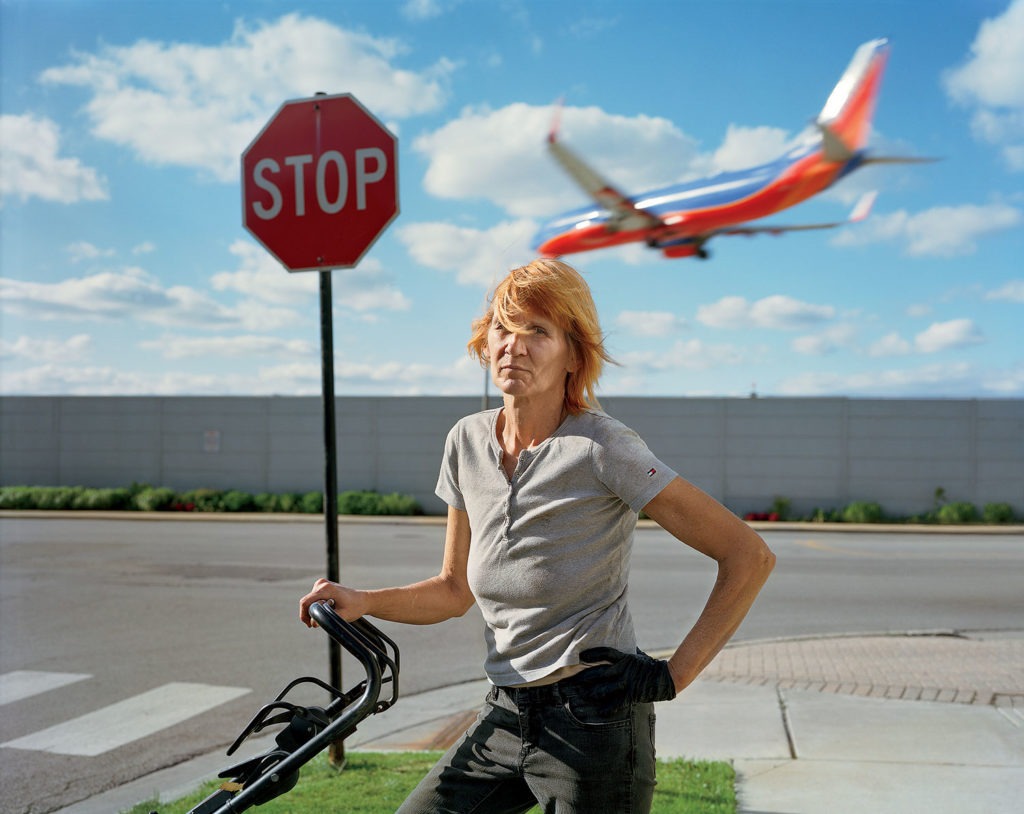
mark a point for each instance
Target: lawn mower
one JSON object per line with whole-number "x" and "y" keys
{"x": 308, "y": 730}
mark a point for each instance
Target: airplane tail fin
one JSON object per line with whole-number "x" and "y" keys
{"x": 845, "y": 120}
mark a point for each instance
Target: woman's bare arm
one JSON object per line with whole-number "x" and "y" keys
{"x": 422, "y": 603}
{"x": 744, "y": 563}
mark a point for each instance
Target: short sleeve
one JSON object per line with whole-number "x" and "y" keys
{"x": 626, "y": 465}
{"x": 448, "y": 479}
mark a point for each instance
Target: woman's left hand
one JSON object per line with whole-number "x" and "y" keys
{"x": 625, "y": 679}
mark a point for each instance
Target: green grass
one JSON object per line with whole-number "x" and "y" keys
{"x": 377, "y": 783}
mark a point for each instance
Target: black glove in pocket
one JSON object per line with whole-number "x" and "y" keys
{"x": 624, "y": 679}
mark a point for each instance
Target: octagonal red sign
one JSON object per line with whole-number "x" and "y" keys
{"x": 320, "y": 183}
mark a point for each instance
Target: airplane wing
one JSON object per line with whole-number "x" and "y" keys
{"x": 860, "y": 211}
{"x": 694, "y": 245}
{"x": 624, "y": 215}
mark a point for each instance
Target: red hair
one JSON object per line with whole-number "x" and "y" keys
{"x": 556, "y": 290}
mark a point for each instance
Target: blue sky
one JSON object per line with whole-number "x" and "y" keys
{"x": 126, "y": 270}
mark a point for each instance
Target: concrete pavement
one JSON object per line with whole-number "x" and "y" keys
{"x": 925, "y": 723}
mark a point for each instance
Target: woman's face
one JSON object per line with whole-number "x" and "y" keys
{"x": 533, "y": 363}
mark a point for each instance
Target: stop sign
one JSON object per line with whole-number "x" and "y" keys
{"x": 320, "y": 183}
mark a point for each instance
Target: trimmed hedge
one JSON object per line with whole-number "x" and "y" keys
{"x": 145, "y": 498}
{"x": 861, "y": 511}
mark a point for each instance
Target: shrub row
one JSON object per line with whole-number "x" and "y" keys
{"x": 145, "y": 498}
{"x": 861, "y": 511}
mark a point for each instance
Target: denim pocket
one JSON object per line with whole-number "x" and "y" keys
{"x": 584, "y": 712}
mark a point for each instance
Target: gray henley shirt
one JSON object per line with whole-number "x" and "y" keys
{"x": 550, "y": 549}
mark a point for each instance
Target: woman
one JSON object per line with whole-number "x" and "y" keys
{"x": 543, "y": 495}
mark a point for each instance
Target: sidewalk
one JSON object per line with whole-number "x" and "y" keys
{"x": 887, "y": 724}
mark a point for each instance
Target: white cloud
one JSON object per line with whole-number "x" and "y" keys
{"x": 422, "y": 9}
{"x": 812, "y": 345}
{"x": 294, "y": 378}
{"x": 1013, "y": 291}
{"x": 943, "y": 231}
{"x": 394, "y": 378}
{"x": 728, "y": 312}
{"x": 937, "y": 337}
{"x": 929, "y": 380}
{"x": 132, "y": 293}
{"x": 190, "y": 347}
{"x": 55, "y": 379}
{"x": 892, "y": 344}
{"x": 83, "y": 250}
{"x": 1007, "y": 382}
{"x": 692, "y": 354}
{"x": 367, "y": 288}
{"x": 825, "y": 342}
{"x": 63, "y": 379}
{"x": 745, "y": 147}
{"x": 588, "y": 26}
{"x": 259, "y": 276}
{"x": 940, "y": 336}
{"x": 475, "y": 256}
{"x": 499, "y": 156}
{"x": 31, "y": 165}
{"x": 162, "y": 100}
{"x": 777, "y": 311}
{"x": 649, "y": 323}
{"x": 37, "y": 349}
{"x": 989, "y": 82}
{"x": 786, "y": 313}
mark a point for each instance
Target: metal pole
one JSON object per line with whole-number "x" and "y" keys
{"x": 336, "y": 752}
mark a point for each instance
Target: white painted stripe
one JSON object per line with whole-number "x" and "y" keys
{"x": 128, "y": 720}
{"x": 25, "y": 683}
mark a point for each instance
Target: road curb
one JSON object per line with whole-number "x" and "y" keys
{"x": 432, "y": 520}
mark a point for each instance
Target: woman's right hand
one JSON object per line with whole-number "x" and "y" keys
{"x": 349, "y": 603}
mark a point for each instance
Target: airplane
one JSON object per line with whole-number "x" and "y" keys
{"x": 680, "y": 219}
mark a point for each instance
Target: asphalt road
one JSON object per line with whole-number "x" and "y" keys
{"x": 195, "y": 610}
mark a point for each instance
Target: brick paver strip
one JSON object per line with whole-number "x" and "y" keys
{"x": 962, "y": 669}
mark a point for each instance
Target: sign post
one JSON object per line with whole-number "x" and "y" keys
{"x": 319, "y": 186}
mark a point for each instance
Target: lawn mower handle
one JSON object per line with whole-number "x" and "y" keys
{"x": 261, "y": 778}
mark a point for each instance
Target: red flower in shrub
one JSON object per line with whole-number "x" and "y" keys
{"x": 771, "y": 516}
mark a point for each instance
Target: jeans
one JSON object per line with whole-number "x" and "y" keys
{"x": 546, "y": 746}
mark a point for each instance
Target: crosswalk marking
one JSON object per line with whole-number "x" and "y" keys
{"x": 129, "y": 720}
{"x": 21, "y": 684}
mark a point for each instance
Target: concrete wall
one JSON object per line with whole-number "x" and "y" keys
{"x": 745, "y": 452}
